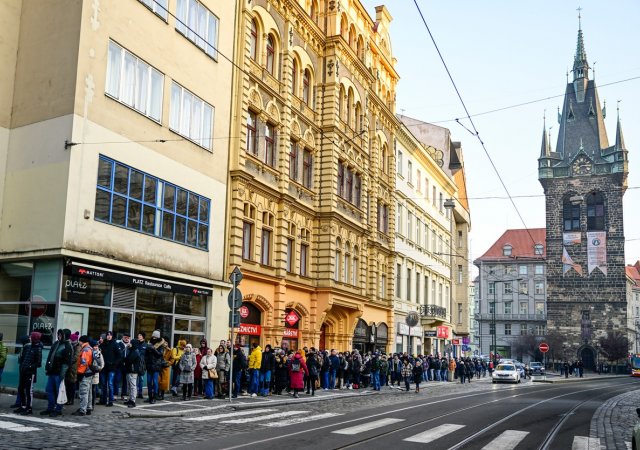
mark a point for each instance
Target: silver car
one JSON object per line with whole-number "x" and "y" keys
{"x": 507, "y": 373}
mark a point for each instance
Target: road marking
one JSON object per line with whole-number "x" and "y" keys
{"x": 233, "y": 414}
{"x": 585, "y": 443}
{"x": 16, "y": 427}
{"x": 434, "y": 433}
{"x": 368, "y": 426}
{"x": 268, "y": 416}
{"x": 294, "y": 420}
{"x": 506, "y": 441}
{"x": 57, "y": 423}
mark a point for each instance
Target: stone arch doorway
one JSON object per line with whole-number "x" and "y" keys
{"x": 587, "y": 355}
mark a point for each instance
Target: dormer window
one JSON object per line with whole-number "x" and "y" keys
{"x": 538, "y": 249}
{"x": 506, "y": 250}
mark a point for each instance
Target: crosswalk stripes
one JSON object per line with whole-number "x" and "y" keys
{"x": 227, "y": 415}
{"x": 368, "y": 426}
{"x": 11, "y": 426}
{"x": 434, "y": 433}
{"x": 508, "y": 440}
{"x": 299, "y": 419}
{"x": 585, "y": 443}
{"x": 268, "y": 416}
{"x": 57, "y": 423}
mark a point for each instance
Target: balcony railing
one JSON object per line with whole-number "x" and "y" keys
{"x": 513, "y": 317}
{"x": 433, "y": 311}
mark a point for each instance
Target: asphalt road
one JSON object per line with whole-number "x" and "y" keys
{"x": 527, "y": 416}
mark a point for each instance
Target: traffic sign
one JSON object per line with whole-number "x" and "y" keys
{"x": 234, "y": 319}
{"x": 244, "y": 312}
{"x": 544, "y": 347}
{"x": 235, "y": 298}
{"x": 236, "y": 276}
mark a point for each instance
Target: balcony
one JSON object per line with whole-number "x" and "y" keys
{"x": 433, "y": 312}
{"x": 511, "y": 317}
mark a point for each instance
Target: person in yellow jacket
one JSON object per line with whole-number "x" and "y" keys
{"x": 452, "y": 368}
{"x": 255, "y": 359}
{"x": 176, "y": 354}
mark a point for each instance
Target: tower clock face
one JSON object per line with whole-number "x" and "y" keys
{"x": 582, "y": 166}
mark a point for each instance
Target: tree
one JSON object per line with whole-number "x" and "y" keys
{"x": 555, "y": 340}
{"x": 614, "y": 345}
{"x": 526, "y": 344}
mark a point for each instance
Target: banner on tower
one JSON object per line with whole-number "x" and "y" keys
{"x": 597, "y": 251}
{"x": 568, "y": 264}
{"x": 571, "y": 238}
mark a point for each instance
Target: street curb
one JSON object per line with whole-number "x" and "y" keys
{"x": 294, "y": 401}
{"x": 578, "y": 380}
{"x": 152, "y": 414}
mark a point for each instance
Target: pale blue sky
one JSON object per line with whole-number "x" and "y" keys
{"x": 502, "y": 53}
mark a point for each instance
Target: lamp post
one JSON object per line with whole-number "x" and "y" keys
{"x": 449, "y": 204}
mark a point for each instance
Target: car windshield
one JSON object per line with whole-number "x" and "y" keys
{"x": 536, "y": 364}
{"x": 505, "y": 367}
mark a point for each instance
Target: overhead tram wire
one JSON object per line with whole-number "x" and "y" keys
{"x": 468, "y": 116}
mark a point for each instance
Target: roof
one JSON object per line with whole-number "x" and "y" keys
{"x": 632, "y": 272}
{"x": 521, "y": 245}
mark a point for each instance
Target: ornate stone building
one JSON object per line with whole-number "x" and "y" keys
{"x": 584, "y": 181}
{"x": 311, "y": 204}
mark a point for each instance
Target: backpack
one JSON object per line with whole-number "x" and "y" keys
{"x": 97, "y": 364}
{"x": 295, "y": 365}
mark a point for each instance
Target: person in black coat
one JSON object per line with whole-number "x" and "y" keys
{"x": 281, "y": 373}
{"x": 132, "y": 367}
{"x": 267, "y": 366}
{"x": 239, "y": 365}
{"x": 314, "y": 365}
{"x": 112, "y": 360}
{"x": 29, "y": 361}
{"x": 417, "y": 374}
{"x": 154, "y": 363}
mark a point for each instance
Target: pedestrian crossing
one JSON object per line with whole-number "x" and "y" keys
{"x": 265, "y": 417}
{"x": 16, "y": 423}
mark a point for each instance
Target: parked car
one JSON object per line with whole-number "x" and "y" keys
{"x": 506, "y": 373}
{"x": 536, "y": 368}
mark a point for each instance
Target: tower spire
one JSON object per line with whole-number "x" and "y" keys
{"x": 619, "y": 137}
{"x": 580, "y": 64}
{"x": 545, "y": 149}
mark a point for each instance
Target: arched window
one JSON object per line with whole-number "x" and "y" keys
{"x": 344, "y": 27}
{"x": 254, "y": 39}
{"x": 306, "y": 81}
{"x": 384, "y": 163}
{"x": 358, "y": 123}
{"x": 360, "y": 48}
{"x": 294, "y": 77}
{"x": 271, "y": 51}
{"x": 341, "y": 103}
{"x": 352, "y": 37}
{"x": 595, "y": 211}
{"x": 354, "y": 272}
{"x": 349, "y": 107}
{"x": 338, "y": 260}
{"x": 347, "y": 263}
{"x": 507, "y": 250}
{"x": 313, "y": 12}
{"x": 570, "y": 215}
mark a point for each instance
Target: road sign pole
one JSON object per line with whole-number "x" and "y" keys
{"x": 231, "y": 377}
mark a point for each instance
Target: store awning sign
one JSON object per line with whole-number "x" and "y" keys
{"x": 290, "y": 333}
{"x": 252, "y": 330}
{"x": 443, "y": 332}
{"x": 292, "y": 318}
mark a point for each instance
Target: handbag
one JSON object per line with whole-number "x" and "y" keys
{"x": 62, "y": 394}
{"x": 213, "y": 374}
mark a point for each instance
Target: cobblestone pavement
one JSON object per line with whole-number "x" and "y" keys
{"x": 175, "y": 422}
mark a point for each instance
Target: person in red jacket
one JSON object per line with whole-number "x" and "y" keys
{"x": 297, "y": 371}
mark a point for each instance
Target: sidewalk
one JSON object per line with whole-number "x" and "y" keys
{"x": 557, "y": 378}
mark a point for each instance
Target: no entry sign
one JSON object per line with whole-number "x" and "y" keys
{"x": 544, "y": 348}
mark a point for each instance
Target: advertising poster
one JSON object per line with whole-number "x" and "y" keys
{"x": 568, "y": 264}
{"x": 597, "y": 251}
{"x": 571, "y": 238}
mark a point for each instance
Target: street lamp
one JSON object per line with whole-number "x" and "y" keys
{"x": 449, "y": 205}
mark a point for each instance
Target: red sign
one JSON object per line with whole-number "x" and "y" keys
{"x": 443, "y": 332}
{"x": 253, "y": 330}
{"x": 290, "y": 333}
{"x": 292, "y": 318}
{"x": 455, "y": 341}
{"x": 243, "y": 311}
{"x": 544, "y": 348}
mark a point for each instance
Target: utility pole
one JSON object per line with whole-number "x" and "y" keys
{"x": 235, "y": 301}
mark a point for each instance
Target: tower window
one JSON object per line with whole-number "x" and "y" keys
{"x": 571, "y": 215}
{"x": 595, "y": 211}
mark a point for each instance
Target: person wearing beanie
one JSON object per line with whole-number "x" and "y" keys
{"x": 29, "y": 361}
{"x": 56, "y": 368}
{"x": 154, "y": 363}
{"x": 142, "y": 349}
{"x": 176, "y": 355}
{"x": 112, "y": 359}
{"x": 71, "y": 379}
{"x": 3, "y": 355}
{"x": 187, "y": 367}
{"x": 84, "y": 375}
{"x": 156, "y": 334}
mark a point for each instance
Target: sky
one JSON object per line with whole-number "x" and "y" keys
{"x": 503, "y": 53}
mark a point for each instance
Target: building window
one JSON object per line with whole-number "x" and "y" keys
{"x": 349, "y": 186}
{"x": 347, "y": 265}
{"x": 247, "y": 240}
{"x": 384, "y": 163}
{"x": 433, "y": 291}
{"x": 304, "y": 257}
{"x": 307, "y": 168}
{"x": 408, "y": 285}
{"x": 524, "y": 308}
{"x": 426, "y": 290}
{"x": 492, "y": 328}
{"x": 540, "y": 330}
{"x": 508, "y": 307}
{"x": 507, "y": 329}
{"x": 522, "y": 269}
{"x": 306, "y": 82}
{"x": 523, "y": 288}
{"x": 338, "y": 261}
{"x": 271, "y": 50}
{"x": 460, "y": 273}
{"x": 492, "y": 307}
{"x": 399, "y": 214}
{"x": 571, "y": 215}
{"x": 459, "y": 313}
{"x": 460, "y": 240}
{"x": 409, "y": 172}
{"x": 539, "y": 308}
{"x": 354, "y": 271}
{"x": 539, "y": 269}
{"x": 523, "y": 329}
{"x": 270, "y": 145}
{"x": 253, "y": 40}
{"x": 595, "y": 211}
{"x": 399, "y": 162}
{"x": 157, "y": 6}
{"x": 538, "y": 249}
{"x": 191, "y": 117}
{"x": 252, "y": 136}
{"x": 340, "y": 179}
{"x": 440, "y": 293}
{"x": 410, "y": 225}
{"x": 398, "y": 280}
{"x": 433, "y": 196}
{"x": 290, "y": 255}
{"x": 383, "y": 217}
{"x": 133, "y": 82}
{"x": 508, "y": 288}
{"x": 265, "y": 255}
{"x": 199, "y": 25}
{"x": 293, "y": 160}
{"x": 418, "y": 181}
{"x": 137, "y": 201}
{"x": 294, "y": 77}
{"x": 492, "y": 288}
{"x": 539, "y": 288}
{"x": 506, "y": 250}
{"x": 358, "y": 190}
{"x": 383, "y": 286}
{"x": 441, "y": 202}
{"x": 418, "y": 287}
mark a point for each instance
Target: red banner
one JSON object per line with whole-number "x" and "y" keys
{"x": 443, "y": 332}
{"x": 455, "y": 341}
{"x": 253, "y": 330}
{"x": 291, "y": 333}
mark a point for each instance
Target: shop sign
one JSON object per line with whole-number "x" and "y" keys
{"x": 291, "y": 318}
{"x": 455, "y": 341}
{"x": 415, "y": 331}
{"x": 290, "y": 333}
{"x": 252, "y": 330}
{"x": 403, "y": 328}
{"x": 430, "y": 333}
{"x": 443, "y": 332}
{"x": 244, "y": 312}
{"x": 135, "y": 280}
{"x": 466, "y": 340}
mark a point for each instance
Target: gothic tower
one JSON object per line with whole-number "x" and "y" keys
{"x": 584, "y": 181}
